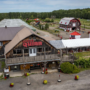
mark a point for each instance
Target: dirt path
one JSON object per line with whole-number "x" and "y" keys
{"x": 46, "y": 34}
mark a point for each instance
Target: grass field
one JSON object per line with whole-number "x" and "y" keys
{"x": 83, "y": 54}
{"x": 85, "y": 22}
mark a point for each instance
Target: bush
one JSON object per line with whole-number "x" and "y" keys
{"x": 46, "y": 26}
{"x": 29, "y": 21}
{"x": 75, "y": 69}
{"x": 49, "y": 20}
{"x": 84, "y": 63}
{"x": 69, "y": 68}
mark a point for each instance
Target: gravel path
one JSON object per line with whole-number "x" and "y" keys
{"x": 68, "y": 82}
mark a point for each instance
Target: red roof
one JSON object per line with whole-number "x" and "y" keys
{"x": 75, "y": 33}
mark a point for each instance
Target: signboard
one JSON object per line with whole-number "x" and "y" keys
{"x": 6, "y": 70}
{"x": 28, "y": 43}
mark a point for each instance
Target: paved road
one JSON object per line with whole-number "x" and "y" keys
{"x": 68, "y": 82}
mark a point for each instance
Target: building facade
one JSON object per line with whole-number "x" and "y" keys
{"x": 27, "y": 50}
{"x": 69, "y": 24}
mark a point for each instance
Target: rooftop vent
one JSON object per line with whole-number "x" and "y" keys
{"x": 5, "y": 26}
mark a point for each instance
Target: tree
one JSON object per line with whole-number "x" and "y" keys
{"x": 46, "y": 26}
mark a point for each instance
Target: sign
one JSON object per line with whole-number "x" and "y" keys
{"x": 28, "y": 43}
{"x": 6, "y": 70}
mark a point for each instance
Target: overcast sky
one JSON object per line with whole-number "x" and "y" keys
{"x": 41, "y": 5}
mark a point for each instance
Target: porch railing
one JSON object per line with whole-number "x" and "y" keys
{"x": 33, "y": 59}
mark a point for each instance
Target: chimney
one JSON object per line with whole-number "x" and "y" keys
{"x": 5, "y": 26}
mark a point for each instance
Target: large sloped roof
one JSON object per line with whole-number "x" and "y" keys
{"x": 8, "y": 33}
{"x": 14, "y": 23}
{"x": 70, "y": 43}
{"x": 75, "y": 33}
{"x": 65, "y": 20}
{"x": 22, "y": 34}
{"x": 25, "y": 32}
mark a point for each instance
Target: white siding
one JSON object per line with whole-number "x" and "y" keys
{"x": 77, "y": 36}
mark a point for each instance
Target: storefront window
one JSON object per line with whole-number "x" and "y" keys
{"x": 19, "y": 51}
{"x": 25, "y": 50}
{"x": 14, "y": 51}
{"x": 39, "y": 49}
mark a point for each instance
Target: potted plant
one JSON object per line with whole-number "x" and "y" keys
{"x": 11, "y": 84}
{"x": 76, "y": 77}
{"x": 45, "y": 82}
{"x": 26, "y": 74}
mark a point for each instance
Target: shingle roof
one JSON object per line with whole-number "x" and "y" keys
{"x": 8, "y": 33}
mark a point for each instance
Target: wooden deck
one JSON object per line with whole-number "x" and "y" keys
{"x": 32, "y": 59}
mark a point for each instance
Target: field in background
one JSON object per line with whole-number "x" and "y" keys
{"x": 83, "y": 54}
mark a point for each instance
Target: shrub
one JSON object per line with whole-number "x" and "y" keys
{"x": 69, "y": 68}
{"x": 75, "y": 69}
{"x": 29, "y": 21}
{"x": 49, "y": 20}
{"x": 46, "y": 26}
{"x": 66, "y": 67}
{"x": 84, "y": 63}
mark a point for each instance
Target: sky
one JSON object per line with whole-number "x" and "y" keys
{"x": 41, "y": 5}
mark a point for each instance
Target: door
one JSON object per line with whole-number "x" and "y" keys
{"x": 32, "y": 51}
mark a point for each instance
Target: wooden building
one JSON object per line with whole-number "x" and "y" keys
{"x": 25, "y": 49}
{"x": 69, "y": 24}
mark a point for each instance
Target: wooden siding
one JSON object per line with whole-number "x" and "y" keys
{"x": 20, "y": 45}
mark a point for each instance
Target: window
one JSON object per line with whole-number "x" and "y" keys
{"x": 39, "y": 49}
{"x": 30, "y": 50}
{"x": 14, "y": 51}
{"x": 25, "y": 50}
{"x": 34, "y": 51}
{"x": 1, "y": 44}
{"x": 19, "y": 51}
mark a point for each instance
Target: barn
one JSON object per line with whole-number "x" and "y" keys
{"x": 69, "y": 24}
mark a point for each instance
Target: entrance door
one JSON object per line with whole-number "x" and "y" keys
{"x": 32, "y": 51}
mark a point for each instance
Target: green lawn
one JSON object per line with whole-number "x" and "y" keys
{"x": 83, "y": 54}
{"x": 84, "y": 22}
{"x": 57, "y": 19}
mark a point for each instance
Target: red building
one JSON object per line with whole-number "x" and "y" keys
{"x": 75, "y": 35}
{"x": 69, "y": 24}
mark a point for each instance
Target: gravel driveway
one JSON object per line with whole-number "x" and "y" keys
{"x": 68, "y": 82}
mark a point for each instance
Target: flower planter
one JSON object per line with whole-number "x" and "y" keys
{"x": 11, "y": 84}
{"x": 76, "y": 77}
{"x": 5, "y": 77}
{"x": 46, "y": 72}
{"x": 26, "y": 74}
{"x": 45, "y": 82}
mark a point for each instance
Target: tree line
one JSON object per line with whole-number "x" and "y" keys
{"x": 77, "y": 13}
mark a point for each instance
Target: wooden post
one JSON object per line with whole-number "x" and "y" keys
{"x": 23, "y": 61}
{"x": 60, "y": 57}
{"x": 45, "y": 60}
{"x": 66, "y": 50}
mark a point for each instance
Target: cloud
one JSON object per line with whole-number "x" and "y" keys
{"x": 41, "y": 5}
